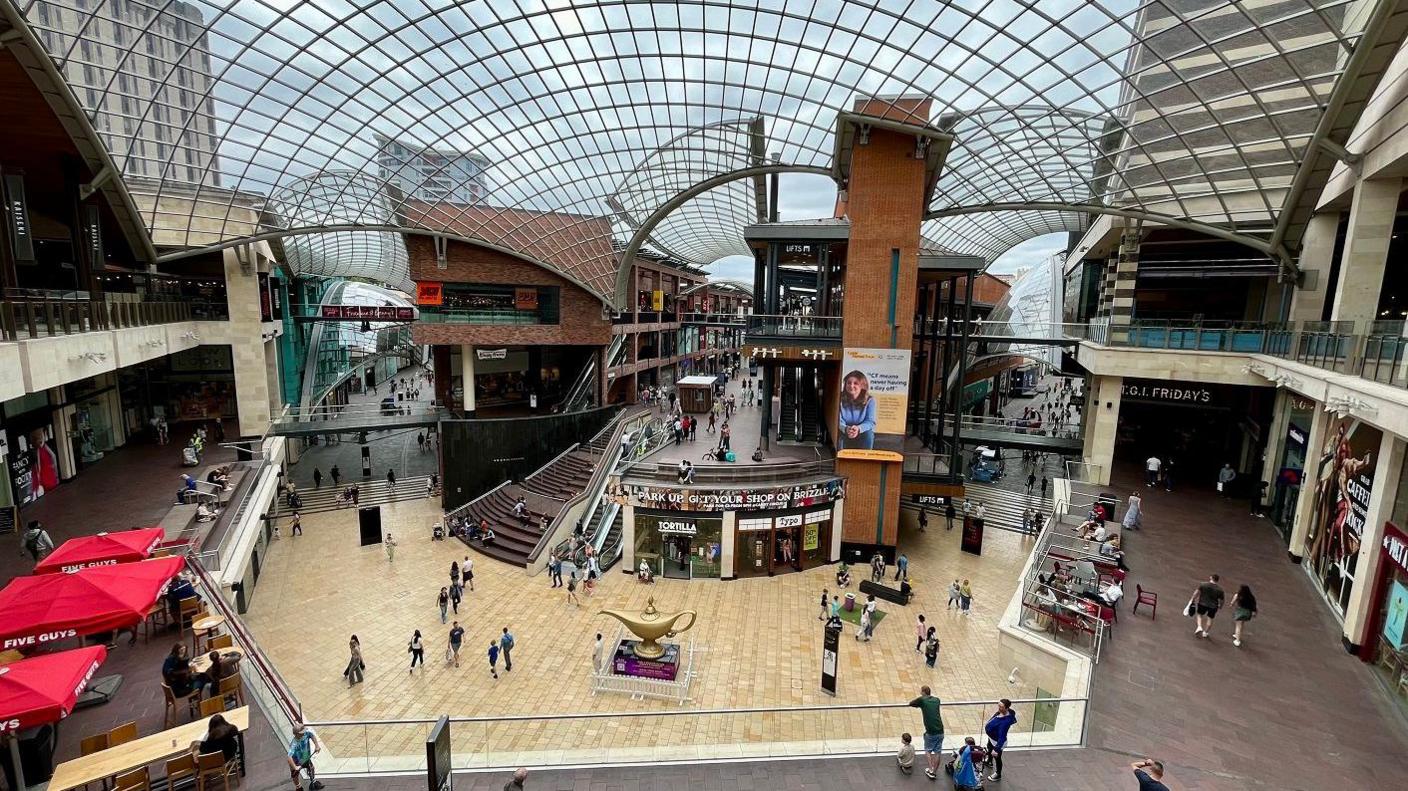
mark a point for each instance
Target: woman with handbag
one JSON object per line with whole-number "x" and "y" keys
{"x": 355, "y": 665}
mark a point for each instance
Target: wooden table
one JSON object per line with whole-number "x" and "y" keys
{"x": 202, "y": 662}
{"x": 204, "y": 627}
{"x": 157, "y": 748}
{"x": 10, "y": 657}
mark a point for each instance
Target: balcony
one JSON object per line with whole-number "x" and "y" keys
{"x": 714, "y": 319}
{"x": 27, "y": 316}
{"x": 1380, "y": 355}
{"x": 484, "y": 316}
{"x": 809, "y": 328}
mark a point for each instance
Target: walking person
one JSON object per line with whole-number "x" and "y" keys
{"x": 825, "y": 606}
{"x": 863, "y": 630}
{"x": 1031, "y": 481}
{"x": 572, "y": 590}
{"x": 923, "y": 519}
{"x": 1243, "y": 610}
{"x": 444, "y": 601}
{"x": 454, "y": 574}
{"x": 389, "y": 544}
{"x": 933, "y": 729}
{"x": 295, "y": 527}
{"x": 1152, "y": 465}
{"x": 598, "y": 653}
{"x": 355, "y": 665}
{"x": 336, "y": 474}
{"x": 996, "y": 730}
{"x": 1133, "y": 511}
{"x": 965, "y": 597}
{"x": 1207, "y": 599}
{"x": 506, "y": 643}
{"x": 420, "y": 440}
{"x": 724, "y": 434}
{"x": 416, "y": 648}
{"x": 494, "y": 658}
{"x": 949, "y": 513}
{"x": 1044, "y": 482}
{"x": 456, "y": 595}
{"x": 931, "y": 646}
{"x": 36, "y": 541}
{"x": 317, "y": 478}
{"x": 467, "y": 571}
{"x": 1225, "y": 476}
{"x": 953, "y": 594}
{"x": 456, "y": 640}
{"x": 920, "y": 632}
{"x": 391, "y": 478}
{"x": 902, "y": 567}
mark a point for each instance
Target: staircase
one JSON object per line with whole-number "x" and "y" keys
{"x": 373, "y": 492}
{"x": 545, "y": 492}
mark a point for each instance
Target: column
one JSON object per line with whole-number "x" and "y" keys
{"x": 1365, "y": 254}
{"x": 1305, "y": 502}
{"x": 727, "y": 548}
{"x": 467, "y": 378}
{"x": 1107, "y": 288}
{"x": 247, "y": 348}
{"x": 628, "y": 539}
{"x": 1102, "y": 416}
{"x": 1126, "y": 275}
{"x": 1360, "y": 608}
{"x": 1317, "y": 250}
{"x": 1276, "y": 442}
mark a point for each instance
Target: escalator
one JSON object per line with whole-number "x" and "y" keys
{"x": 811, "y": 428}
{"x": 787, "y": 406}
{"x": 611, "y": 545}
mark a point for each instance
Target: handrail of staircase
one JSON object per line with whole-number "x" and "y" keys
{"x": 596, "y": 485}
{"x": 463, "y": 508}
{"x": 264, "y": 668}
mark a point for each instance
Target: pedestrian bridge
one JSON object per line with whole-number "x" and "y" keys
{"x": 1007, "y": 432}
{"x": 353, "y": 418}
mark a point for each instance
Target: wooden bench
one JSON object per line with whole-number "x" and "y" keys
{"x": 884, "y": 592}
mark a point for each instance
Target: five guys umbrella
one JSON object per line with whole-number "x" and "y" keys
{"x": 50, "y": 607}
{"x": 41, "y": 690}
{"x": 103, "y": 549}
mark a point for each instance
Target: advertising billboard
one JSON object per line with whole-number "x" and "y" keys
{"x": 874, "y": 398}
{"x": 1344, "y": 482}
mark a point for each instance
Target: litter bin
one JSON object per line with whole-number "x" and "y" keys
{"x": 850, "y": 602}
{"x": 36, "y": 756}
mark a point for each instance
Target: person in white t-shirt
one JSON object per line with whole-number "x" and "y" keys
{"x": 1151, "y": 469}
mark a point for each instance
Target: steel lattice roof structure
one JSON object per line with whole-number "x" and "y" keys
{"x": 564, "y": 131}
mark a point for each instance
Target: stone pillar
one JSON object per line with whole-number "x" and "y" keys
{"x": 1107, "y": 288}
{"x": 271, "y": 376}
{"x": 886, "y": 201}
{"x": 1276, "y": 440}
{"x": 1357, "y": 613}
{"x": 247, "y": 348}
{"x": 467, "y": 378}
{"x": 1316, "y": 253}
{"x": 628, "y": 539}
{"x": 727, "y": 548}
{"x": 1102, "y": 417}
{"x": 1365, "y": 254}
{"x": 1126, "y": 274}
{"x": 1305, "y": 502}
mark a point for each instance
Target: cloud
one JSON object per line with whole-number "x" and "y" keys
{"x": 1029, "y": 253}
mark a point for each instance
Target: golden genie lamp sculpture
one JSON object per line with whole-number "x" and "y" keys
{"x": 650, "y": 625}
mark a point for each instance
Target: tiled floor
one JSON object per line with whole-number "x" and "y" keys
{"x": 758, "y": 640}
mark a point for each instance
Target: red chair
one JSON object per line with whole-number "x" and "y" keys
{"x": 1146, "y": 597}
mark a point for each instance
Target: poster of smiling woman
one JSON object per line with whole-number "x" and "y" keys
{"x": 874, "y": 398}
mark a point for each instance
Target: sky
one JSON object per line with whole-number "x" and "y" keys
{"x": 806, "y": 196}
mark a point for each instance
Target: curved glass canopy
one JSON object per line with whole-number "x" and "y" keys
{"x": 560, "y": 129}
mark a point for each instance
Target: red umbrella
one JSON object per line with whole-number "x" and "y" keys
{"x": 104, "y": 549}
{"x": 41, "y": 690}
{"x": 48, "y": 607}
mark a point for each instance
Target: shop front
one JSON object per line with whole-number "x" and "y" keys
{"x": 679, "y": 545}
{"x": 1195, "y": 426}
{"x": 727, "y": 533}
{"x": 1387, "y": 646}
{"x": 1291, "y": 467}
{"x": 32, "y": 458}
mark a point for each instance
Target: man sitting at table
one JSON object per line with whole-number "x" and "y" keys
{"x": 180, "y": 588}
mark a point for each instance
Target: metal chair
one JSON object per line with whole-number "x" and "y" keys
{"x": 1146, "y": 597}
{"x": 192, "y": 699}
{"x": 122, "y": 734}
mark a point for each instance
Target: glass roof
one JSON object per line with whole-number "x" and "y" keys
{"x": 558, "y": 128}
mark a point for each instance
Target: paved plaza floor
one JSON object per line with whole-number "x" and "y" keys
{"x": 758, "y": 640}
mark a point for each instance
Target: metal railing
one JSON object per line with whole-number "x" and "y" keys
{"x": 1046, "y": 607}
{"x": 616, "y": 738}
{"x": 927, "y": 463}
{"x": 1035, "y": 428}
{"x": 794, "y": 326}
{"x": 733, "y": 319}
{"x": 595, "y": 519}
{"x": 24, "y": 318}
{"x": 483, "y": 316}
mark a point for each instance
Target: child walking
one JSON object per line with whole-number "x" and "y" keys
{"x": 953, "y": 593}
{"x": 494, "y": 658}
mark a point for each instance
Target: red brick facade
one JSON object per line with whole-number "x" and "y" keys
{"x": 580, "y": 324}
